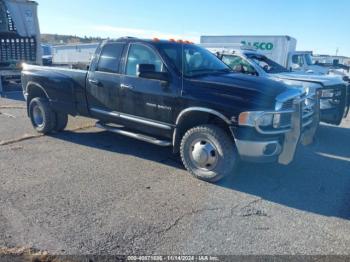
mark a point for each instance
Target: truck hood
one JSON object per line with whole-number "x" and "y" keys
{"x": 252, "y": 91}
{"x": 318, "y": 79}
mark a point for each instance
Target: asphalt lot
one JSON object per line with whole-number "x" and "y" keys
{"x": 88, "y": 191}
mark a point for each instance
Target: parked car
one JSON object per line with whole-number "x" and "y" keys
{"x": 333, "y": 90}
{"x": 279, "y": 48}
{"x": 176, "y": 94}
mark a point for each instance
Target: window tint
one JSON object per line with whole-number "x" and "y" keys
{"x": 110, "y": 58}
{"x": 140, "y": 54}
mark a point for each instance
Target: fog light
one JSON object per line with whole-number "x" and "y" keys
{"x": 270, "y": 149}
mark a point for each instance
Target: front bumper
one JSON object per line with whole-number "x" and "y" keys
{"x": 283, "y": 146}
{"x": 258, "y": 151}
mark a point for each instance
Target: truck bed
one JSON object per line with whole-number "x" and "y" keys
{"x": 64, "y": 87}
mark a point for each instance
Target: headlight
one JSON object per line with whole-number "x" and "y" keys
{"x": 253, "y": 118}
{"x": 265, "y": 120}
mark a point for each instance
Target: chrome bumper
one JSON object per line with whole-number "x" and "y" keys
{"x": 258, "y": 149}
{"x": 299, "y": 131}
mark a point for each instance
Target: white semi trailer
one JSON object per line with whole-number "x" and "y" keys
{"x": 281, "y": 49}
{"x": 19, "y": 40}
{"x": 73, "y": 55}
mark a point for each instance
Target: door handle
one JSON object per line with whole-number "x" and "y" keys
{"x": 95, "y": 82}
{"x": 123, "y": 86}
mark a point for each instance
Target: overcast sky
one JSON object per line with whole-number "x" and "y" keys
{"x": 319, "y": 25}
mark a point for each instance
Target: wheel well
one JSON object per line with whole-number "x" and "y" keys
{"x": 193, "y": 119}
{"x": 33, "y": 92}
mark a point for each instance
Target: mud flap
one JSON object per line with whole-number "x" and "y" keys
{"x": 291, "y": 139}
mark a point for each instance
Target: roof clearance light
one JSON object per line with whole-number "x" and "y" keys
{"x": 172, "y": 40}
{"x": 156, "y": 39}
{"x": 180, "y": 41}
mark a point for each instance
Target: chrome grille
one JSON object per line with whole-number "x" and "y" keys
{"x": 308, "y": 104}
{"x": 287, "y": 105}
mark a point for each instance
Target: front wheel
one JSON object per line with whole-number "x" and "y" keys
{"x": 208, "y": 153}
{"x": 41, "y": 115}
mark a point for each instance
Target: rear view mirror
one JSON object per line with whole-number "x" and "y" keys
{"x": 149, "y": 71}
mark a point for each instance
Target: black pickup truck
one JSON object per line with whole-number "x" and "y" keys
{"x": 176, "y": 94}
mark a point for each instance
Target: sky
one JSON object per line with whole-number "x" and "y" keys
{"x": 322, "y": 26}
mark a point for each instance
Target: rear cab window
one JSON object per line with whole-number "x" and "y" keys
{"x": 110, "y": 56}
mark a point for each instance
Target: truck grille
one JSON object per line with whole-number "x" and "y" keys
{"x": 17, "y": 49}
{"x": 308, "y": 103}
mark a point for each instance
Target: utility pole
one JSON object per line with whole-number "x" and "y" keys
{"x": 336, "y": 51}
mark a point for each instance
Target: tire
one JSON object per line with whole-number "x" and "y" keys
{"x": 41, "y": 115}
{"x": 61, "y": 122}
{"x": 208, "y": 153}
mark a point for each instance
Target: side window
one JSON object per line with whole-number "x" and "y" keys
{"x": 141, "y": 54}
{"x": 110, "y": 58}
{"x": 297, "y": 59}
{"x": 238, "y": 64}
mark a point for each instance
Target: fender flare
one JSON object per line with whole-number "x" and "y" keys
{"x": 202, "y": 109}
{"x": 196, "y": 109}
{"x": 31, "y": 83}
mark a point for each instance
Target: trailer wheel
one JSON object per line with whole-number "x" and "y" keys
{"x": 41, "y": 115}
{"x": 61, "y": 121}
{"x": 208, "y": 153}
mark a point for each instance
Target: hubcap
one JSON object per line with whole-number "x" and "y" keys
{"x": 38, "y": 117}
{"x": 204, "y": 154}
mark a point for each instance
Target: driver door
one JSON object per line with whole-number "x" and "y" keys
{"x": 149, "y": 99}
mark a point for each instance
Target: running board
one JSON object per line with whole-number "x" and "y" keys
{"x": 141, "y": 137}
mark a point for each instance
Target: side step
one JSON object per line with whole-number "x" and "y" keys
{"x": 141, "y": 137}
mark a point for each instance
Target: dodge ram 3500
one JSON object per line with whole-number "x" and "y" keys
{"x": 176, "y": 94}
{"x": 333, "y": 90}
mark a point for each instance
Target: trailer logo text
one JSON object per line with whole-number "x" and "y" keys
{"x": 259, "y": 45}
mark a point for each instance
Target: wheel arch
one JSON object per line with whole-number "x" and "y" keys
{"x": 194, "y": 116}
{"x": 33, "y": 90}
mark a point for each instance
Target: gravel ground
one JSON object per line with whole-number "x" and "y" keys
{"x": 87, "y": 191}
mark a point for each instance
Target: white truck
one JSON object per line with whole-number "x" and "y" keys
{"x": 281, "y": 49}
{"x": 333, "y": 93}
{"x": 19, "y": 41}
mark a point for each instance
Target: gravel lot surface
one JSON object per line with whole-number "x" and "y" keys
{"x": 87, "y": 191}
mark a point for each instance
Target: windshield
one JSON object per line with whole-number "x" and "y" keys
{"x": 266, "y": 64}
{"x": 308, "y": 58}
{"x": 191, "y": 60}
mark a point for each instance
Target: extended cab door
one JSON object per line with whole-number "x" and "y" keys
{"x": 103, "y": 81}
{"x": 150, "y": 102}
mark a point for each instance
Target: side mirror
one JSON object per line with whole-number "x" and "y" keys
{"x": 149, "y": 71}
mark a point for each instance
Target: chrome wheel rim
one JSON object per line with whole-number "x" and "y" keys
{"x": 203, "y": 154}
{"x": 38, "y": 116}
